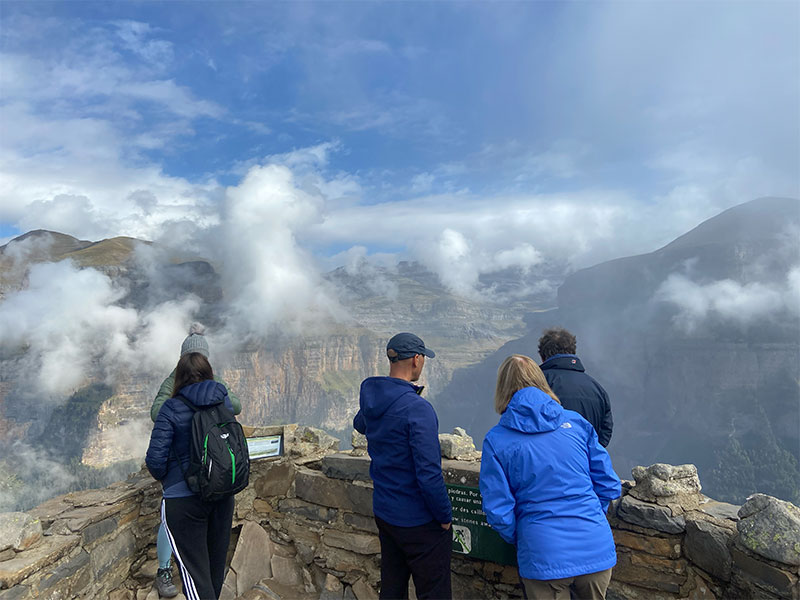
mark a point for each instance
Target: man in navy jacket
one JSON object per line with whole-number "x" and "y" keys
{"x": 569, "y": 381}
{"x": 410, "y": 501}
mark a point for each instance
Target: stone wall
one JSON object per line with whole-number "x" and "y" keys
{"x": 304, "y": 529}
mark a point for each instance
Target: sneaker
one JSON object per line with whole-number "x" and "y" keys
{"x": 164, "y": 585}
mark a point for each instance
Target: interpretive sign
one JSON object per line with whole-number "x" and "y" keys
{"x": 472, "y": 535}
{"x": 265, "y": 447}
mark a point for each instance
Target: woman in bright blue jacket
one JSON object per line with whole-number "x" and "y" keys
{"x": 546, "y": 484}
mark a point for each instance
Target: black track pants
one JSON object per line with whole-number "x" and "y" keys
{"x": 423, "y": 552}
{"x": 199, "y": 533}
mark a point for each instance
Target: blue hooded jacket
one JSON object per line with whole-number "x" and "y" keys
{"x": 168, "y": 454}
{"x": 546, "y": 484}
{"x": 403, "y": 442}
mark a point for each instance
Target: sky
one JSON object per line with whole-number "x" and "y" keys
{"x": 464, "y": 135}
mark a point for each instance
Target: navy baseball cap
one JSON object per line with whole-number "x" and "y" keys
{"x": 406, "y": 345}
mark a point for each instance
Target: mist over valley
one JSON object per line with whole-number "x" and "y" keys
{"x": 697, "y": 343}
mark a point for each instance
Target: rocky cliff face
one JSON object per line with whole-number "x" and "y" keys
{"x": 280, "y": 378}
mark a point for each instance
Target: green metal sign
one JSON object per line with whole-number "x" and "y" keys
{"x": 472, "y": 535}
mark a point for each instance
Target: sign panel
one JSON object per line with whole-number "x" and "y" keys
{"x": 264, "y": 447}
{"x": 472, "y": 535}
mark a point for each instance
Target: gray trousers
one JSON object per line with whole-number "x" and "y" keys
{"x": 591, "y": 586}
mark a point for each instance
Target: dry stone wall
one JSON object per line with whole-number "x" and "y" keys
{"x": 304, "y": 529}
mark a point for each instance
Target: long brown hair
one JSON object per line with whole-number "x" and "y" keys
{"x": 518, "y": 372}
{"x": 192, "y": 368}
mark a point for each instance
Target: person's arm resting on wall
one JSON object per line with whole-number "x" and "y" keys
{"x": 606, "y": 484}
{"x": 427, "y": 455}
{"x": 498, "y": 501}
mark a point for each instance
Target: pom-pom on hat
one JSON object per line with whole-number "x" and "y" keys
{"x": 195, "y": 341}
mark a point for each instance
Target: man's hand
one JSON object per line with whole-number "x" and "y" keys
{"x": 445, "y": 526}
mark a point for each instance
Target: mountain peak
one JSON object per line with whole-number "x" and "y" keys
{"x": 754, "y": 220}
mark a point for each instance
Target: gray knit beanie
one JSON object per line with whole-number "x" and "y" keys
{"x": 196, "y": 341}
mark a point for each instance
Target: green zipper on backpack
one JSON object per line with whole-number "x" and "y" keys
{"x": 233, "y": 462}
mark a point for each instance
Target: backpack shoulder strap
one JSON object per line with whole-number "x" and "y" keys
{"x": 187, "y": 403}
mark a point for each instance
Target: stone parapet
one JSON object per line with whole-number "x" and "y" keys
{"x": 304, "y": 529}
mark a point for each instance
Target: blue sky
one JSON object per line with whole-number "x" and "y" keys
{"x": 467, "y": 135}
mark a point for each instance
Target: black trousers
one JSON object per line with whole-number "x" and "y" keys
{"x": 423, "y": 552}
{"x": 199, "y": 533}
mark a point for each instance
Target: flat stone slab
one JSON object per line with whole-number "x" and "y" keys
{"x": 285, "y": 570}
{"x": 360, "y": 522}
{"x": 44, "y": 554}
{"x": 50, "y": 510}
{"x": 295, "y": 506}
{"x": 355, "y": 542}
{"x": 720, "y": 510}
{"x": 251, "y": 559}
{"x": 113, "y": 494}
{"x": 645, "y": 576}
{"x": 646, "y": 514}
{"x": 269, "y": 589}
{"x": 782, "y": 582}
{"x": 707, "y": 545}
{"x": 315, "y": 487}
{"x": 347, "y": 466}
{"x": 19, "y": 531}
{"x": 364, "y": 591}
{"x": 273, "y": 479}
{"x": 80, "y": 518}
{"x": 668, "y": 548}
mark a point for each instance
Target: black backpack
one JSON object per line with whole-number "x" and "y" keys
{"x": 219, "y": 462}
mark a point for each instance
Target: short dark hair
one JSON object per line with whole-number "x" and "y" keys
{"x": 556, "y": 340}
{"x": 192, "y": 368}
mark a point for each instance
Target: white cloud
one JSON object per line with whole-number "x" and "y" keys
{"x": 732, "y": 301}
{"x": 270, "y": 278}
{"x": 70, "y": 323}
{"x": 135, "y": 34}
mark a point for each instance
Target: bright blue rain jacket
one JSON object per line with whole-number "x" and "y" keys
{"x": 546, "y": 484}
{"x": 403, "y": 442}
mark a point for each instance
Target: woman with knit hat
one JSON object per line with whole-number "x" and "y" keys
{"x": 194, "y": 342}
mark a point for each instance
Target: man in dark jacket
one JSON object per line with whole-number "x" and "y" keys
{"x": 567, "y": 378}
{"x": 410, "y": 501}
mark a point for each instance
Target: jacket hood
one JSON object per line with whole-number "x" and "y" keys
{"x": 563, "y": 361}
{"x": 379, "y": 393}
{"x": 532, "y": 411}
{"x": 204, "y": 393}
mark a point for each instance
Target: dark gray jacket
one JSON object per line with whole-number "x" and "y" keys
{"x": 580, "y": 392}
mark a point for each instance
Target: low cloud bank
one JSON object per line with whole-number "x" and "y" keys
{"x": 737, "y": 303}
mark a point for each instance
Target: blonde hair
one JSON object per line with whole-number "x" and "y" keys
{"x": 518, "y": 372}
